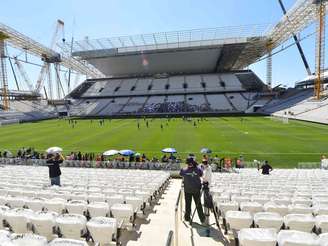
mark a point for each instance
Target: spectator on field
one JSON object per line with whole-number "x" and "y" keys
{"x": 240, "y": 162}
{"x": 266, "y": 168}
{"x": 324, "y": 162}
{"x": 192, "y": 185}
{"x": 172, "y": 158}
{"x": 53, "y": 161}
{"x": 143, "y": 157}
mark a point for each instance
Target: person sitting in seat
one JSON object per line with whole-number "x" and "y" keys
{"x": 266, "y": 168}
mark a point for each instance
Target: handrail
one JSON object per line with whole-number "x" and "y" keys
{"x": 169, "y": 238}
{"x": 176, "y": 216}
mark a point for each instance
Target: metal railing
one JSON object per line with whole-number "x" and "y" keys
{"x": 169, "y": 239}
{"x": 173, "y": 39}
{"x": 95, "y": 164}
{"x": 177, "y": 211}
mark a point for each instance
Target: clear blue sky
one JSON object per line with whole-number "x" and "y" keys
{"x": 108, "y": 18}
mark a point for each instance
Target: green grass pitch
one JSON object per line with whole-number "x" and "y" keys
{"x": 284, "y": 145}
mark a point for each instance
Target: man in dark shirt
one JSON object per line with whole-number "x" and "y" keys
{"x": 266, "y": 168}
{"x": 53, "y": 162}
{"x": 192, "y": 186}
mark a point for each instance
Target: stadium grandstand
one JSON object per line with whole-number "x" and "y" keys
{"x": 118, "y": 135}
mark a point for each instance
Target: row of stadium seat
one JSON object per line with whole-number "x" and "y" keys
{"x": 72, "y": 226}
{"x": 287, "y": 199}
{"x": 269, "y": 237}
{"x": 87, "y": 201}
{"x": 13, "y": 239}
{"x": 174, "y": 84}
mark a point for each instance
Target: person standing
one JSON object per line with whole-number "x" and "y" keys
{"x": 53, "y": 161}
{"x": 207, "y": 179}
{"x": 192, "y": 185}
{"x": 266, "y": 168}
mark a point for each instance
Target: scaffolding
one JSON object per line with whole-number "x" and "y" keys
{"x": 320, "y": 50}
{"x": 21, "y": 41}
{"x": 3, "y": 72}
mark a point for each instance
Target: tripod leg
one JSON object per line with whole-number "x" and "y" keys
{"x": 225, "y": 226}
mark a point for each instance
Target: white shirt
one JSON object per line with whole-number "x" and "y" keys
{"x": 207, "y": 174}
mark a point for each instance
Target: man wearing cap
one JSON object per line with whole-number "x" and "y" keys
{"x": 192, "y": 185}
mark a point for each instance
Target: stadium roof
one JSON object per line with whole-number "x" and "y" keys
{"x": 193, "y": 51}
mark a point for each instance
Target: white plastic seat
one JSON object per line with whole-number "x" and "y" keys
{"x": 299, "y": 209}
{"x": 252, "y": 207}
{"x": 320, "y": 209}
{"x": 111, "y": 200}
{"x": 268, "y": 220}
{"x": 43, "y": 223}
{"x": 239, "y": 198}
{"x": 102, "y": 229}
{"x": 96, "y": 197}
{"x": 71, "y": 225}
{"x": 98, "y": 209}
{"x": 276, "y": 208}
{"x": 323, "y": 239}
{"x": 304, "y": 201}
{"x": 67, "y": 242}
{"x": 257, "y": 237}
{"x": 297, "y": 238}
{"x": 18, "y": 219}
{"x": 28, "y": 239}
{"x": 15, "y": 202}
{"x": 3, "y": 200}
{"x": 321, "y": 222}
{"x": 4, "y": 236}
{"x": 260, "y": 199}
{"x": 36, "y": 204}
{"x": 3, "y": 209}
{"x": 238, "y": 219}
{"x": 135, "y": 202}
{"x": 282, "y": 200}
{"x": 142, "y": 194}
{"x": 56, "y": 205}
{"x": 224, "y": 207}
{"x": 122, "y": 212}
{"x": 300, "y": 222}
{"x": 77, "y": 207}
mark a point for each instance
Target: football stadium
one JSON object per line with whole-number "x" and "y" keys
{"x": 166, "y": 138}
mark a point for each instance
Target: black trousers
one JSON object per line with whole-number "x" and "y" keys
{"x": 196, "y": 197}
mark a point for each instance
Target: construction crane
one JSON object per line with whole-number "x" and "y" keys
{"x": 48, "y": 60}
{"x": 18, "y": 40}
{"x": 3, "y": 71}
{"x": 23, "y": 74}
{"x": 297, "y": 42}
{"x": 320, "y": 47}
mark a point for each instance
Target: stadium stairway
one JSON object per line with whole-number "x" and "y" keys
{"x": 155, "y": 231}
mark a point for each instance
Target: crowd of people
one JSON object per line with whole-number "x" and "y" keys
{"x": 175, "y": 107}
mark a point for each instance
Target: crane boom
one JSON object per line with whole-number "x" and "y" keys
{"x": 23, "y": 74}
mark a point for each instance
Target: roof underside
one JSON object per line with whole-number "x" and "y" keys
{"x": 196, "y": 51}
{"x": 212, "y": 58}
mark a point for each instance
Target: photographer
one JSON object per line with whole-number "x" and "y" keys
{"x": 192, "y": 186}
{"x": 53, "y": 161}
